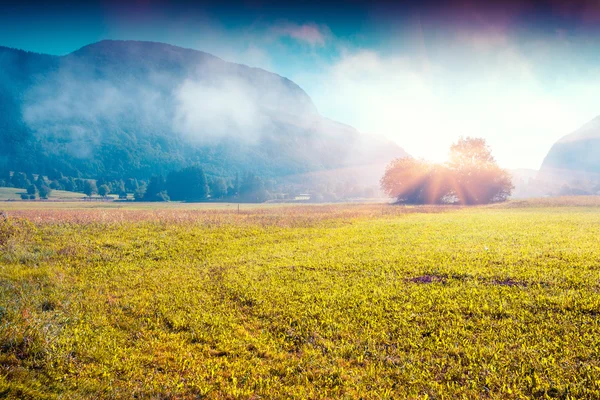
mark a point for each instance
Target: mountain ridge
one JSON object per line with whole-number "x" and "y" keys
{"x": 153, "y": 102}
{"x": 574, "y": 157}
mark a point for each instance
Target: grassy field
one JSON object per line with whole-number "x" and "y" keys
{"x": 15, "y": 194}
{"x": 135, "y": 205}
{"x": 332, "y": 301}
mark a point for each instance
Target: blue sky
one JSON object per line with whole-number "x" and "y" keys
{"x": 519, "y": 73}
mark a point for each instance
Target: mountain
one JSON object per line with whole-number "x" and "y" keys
{"x": 575, "y": 158}
{"x": 133, "y": 109}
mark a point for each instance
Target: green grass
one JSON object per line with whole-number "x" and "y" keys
{"x": 10, "y": 193}
{"x": 15, "y": 194}
{"x": 301, "y": 302}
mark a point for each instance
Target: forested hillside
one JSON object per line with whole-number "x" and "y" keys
{"x": 120, "y": 110}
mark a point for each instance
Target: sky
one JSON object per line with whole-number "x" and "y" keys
{"x": 519, "y": 73}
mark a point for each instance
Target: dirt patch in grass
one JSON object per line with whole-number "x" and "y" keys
{"x": 428, "y": 279}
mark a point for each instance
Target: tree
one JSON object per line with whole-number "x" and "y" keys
{"x": 32, "y": 191}
{"x": 5, "y": 176}
{"x": 131, "y": 185}
{"x": 67, "y": 183}
{"x": 101, "y": 181}
{"x": 236, "y": 186}
{"x": 157, "y": 189}
{"x": 140, "y": 192}
{"x": 162, "y": 196}
{"x": 188, "y": 184}
{"x": 252, "y": 189}
{"x": 218, "y": 188}
{"x": 44, "y": 191}
{"x": 231, "y": 191}
{"x": 79, "y": 185}
{"x": 119, "y": 189}
{"x": 56, "y": 185}
{"x": 54, "y": 174}
{"x": 20, "y": 180}
{"x": 470, "y": 151}
{"x": 470, "y": 177}
{"x": 479, "y": 179}
{"x": 40, "y": 181}
{"x": 103, "y": 190}
{"x": 89, "y": 187}
{"x": 415, "y": 181}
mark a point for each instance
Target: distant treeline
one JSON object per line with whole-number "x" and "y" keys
{"x": 190, "y": 184}
{"x": 39, "y": 186}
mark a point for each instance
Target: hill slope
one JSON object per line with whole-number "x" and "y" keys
{"x": 133, "y": 109}
{"x": 575, "y": 157}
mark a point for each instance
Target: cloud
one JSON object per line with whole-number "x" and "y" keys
{"x": 223, "y": 108}
{"x": 73, "y": 107}
{"x": 309, "y": 33}
{"x": 72, "y": 111}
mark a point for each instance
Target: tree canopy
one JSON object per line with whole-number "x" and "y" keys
{"x": 188, "y": 184}
{"x": 103, "y": 190}
{"x": 252, "y": 189}
{"x": 471, "y": 176}
{"x": 89, "y": 187}
{"x": 156, "y": 190}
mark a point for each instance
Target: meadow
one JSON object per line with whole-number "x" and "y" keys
{"x": 325, "y": 301}
{"x": 7, "y": 193}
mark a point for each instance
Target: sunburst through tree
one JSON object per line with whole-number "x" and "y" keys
{"x": 471, "y": 176}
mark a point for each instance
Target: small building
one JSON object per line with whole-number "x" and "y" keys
{"x": 302, "y": 197}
